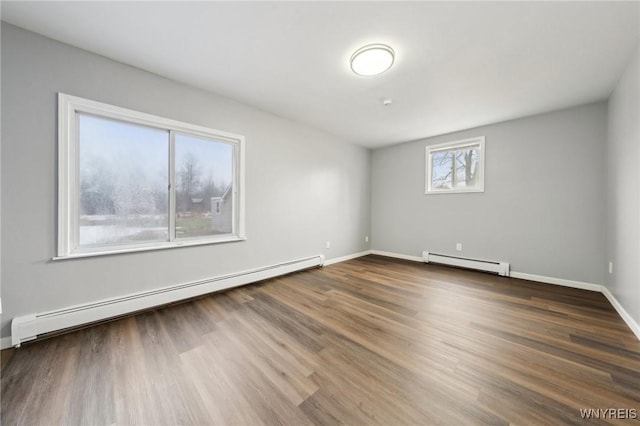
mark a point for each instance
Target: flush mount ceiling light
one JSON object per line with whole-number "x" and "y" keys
{"x": 372, "y": 59}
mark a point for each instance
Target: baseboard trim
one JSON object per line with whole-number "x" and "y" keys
{"x": 556, "y": 281}
{"x": 30, "y": 326}
{"x": 345, "y": 258}
{"x": 633, "y": 325}
{"x": 398, "y": 256}
{"x": 5, "y": 342}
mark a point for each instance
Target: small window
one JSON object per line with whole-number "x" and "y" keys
{"x": 129, "y": 181}
{"x": 455, "y": 167}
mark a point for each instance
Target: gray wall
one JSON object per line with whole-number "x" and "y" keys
{"x": 542, "y": 208}
{"x": 623, "y": 190}
{"x": 303, "y": 187}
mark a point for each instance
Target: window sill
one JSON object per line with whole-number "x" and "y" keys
{"x": 458, "y": 191}
{"x": 158, "y": 246}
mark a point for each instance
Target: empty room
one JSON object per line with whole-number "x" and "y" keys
{"x": 320, "y": 213}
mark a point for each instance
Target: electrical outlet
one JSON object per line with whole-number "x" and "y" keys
{"x": 366, "y": 239}
{"x": 611, "y": 267}
{"x": 459, "y": 246}
{"x": 328, "y": 244}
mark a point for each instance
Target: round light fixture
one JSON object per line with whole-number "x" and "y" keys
{"x": 372, "y": 59}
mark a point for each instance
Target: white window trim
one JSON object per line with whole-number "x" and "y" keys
{"x": 68, "y": 175}
{"x": 446, "y": 146}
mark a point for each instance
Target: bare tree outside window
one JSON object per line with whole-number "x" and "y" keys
{"x": 188, "y": 181}
{"x": 204, "y": 171}
{"x": 455, "y": 167}
{"x": 124, "y": 183}
{"x": 133, "y": 181}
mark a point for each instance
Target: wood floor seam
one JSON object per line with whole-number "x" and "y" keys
{"x": 369, "y": 341}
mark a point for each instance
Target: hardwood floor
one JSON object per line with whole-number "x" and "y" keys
{"x": 369, "y": 341}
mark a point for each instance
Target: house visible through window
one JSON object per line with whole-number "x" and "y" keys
{"x": 132, "y": 181}
{"x": 455, "y": 167}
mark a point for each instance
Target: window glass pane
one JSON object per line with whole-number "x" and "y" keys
{"x": 466, "y": 167}
{"x": 204, "y": 193}
{"x": 441, "y": 170}
{"x": 123, "y": 182}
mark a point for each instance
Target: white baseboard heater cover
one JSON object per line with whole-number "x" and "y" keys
{"x": 28, "y": 327}
{"x": 501, "y": 268}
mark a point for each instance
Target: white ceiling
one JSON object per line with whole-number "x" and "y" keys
{"x": 458, "y": 65}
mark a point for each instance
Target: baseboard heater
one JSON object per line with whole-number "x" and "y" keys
{"x": 501, "y": 268}
{"x": 28, "y": 327}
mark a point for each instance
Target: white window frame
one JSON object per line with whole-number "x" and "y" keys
{"x": 451, "y": 146}
{"x": 68, "y": 177}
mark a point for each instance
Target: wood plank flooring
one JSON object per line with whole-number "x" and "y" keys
{"x": 369, "y": 341}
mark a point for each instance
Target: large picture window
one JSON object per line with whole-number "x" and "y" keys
{"x": 129, "y": 181}
{"x": 455, "y": 167}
